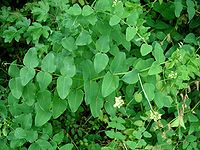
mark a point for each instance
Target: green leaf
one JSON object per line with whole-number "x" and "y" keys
{"x": 41, "y": 11}
{"x": 138, "y": 97}
{"x": 34, "y": 146}
{"x": 132, "y": 18}
{"x": 68, "y": 67}
{"x": 42, "y": 117}
{"x": 30, "y": 59}
{"x": 13, "y": 70}
{"x": 69, "y": 43}
{"x": 100, "y": 62}
{"x": 114, "y": 20}
{"x": 155, "y": 69}
{"x": 44, "y": 144}
{"x": 192, "y": 118}
{"x": 75, "y": 99}
{"x": 130, "y": 33}
{"x": 103, "y": 43}
{"x": 89, "y": 87}
{"x": 158, "y": 53}
{"x": 132, "y": 145}
{"x": 139, "y": 123}
{"x": 63, "y": 86}
{"x": 10, "y": 34}
{"x": 44, "y": 99}
{"x": 178, "y": 7}
{"x": 75, "y": 10}
{"x": 67, "y": 147}
{"x": 26, "y": 75}
{"x": 145, "y": 49}
{"x": 110, "y": 84}
{"x": 58, "y": 138}
{"x": 97, "y": 102}
{"x": 20, "y": 133}
{"x": 16, "y": 87}
{"x": 190, "y": 38}
{"x": 147, "y": 134}
{"x": 104, "y": 5}
{"x": 119, "y": 63}
{"x": 87, "y": 10}
{"x": 190, "y": 9}
{"x": 131, "y": 77}
{"x": 44, "y": 79}
{"x": 84, "y": 38}
{"x": 149, "y": 89}
{"x": 58, "y": 107}
{"x": 29, "y": 94}
{"x": 48, "y": 63}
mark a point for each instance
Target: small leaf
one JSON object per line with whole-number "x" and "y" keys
{"x": 190, "y": 38}
{"x": 178, "y": 7}
{"x": 103, "y": 43}
{"x": 158, "y": 53}
{"x": 131, "y": 77}
{"x": 155, "y": 69}
{"x": 145, "y": 49}
{"x": 75, "y": 10}
{"x": 100, "y": 62}
{"x": 68, "y": 67}
{"x": 44, "y": 144}
{"x": 138, "y": 97}
{"x": 190, "y": 9}
{"x": 44, "y": 79}
{"x": 132, "y": 145}
{"x": 67, "y": 147}
{"x": 30, "y": 59}
{"x": 13, "y": 70}
{"x": 149, "y": 89}
{"x": 87, "y": 10}
{"x": 48, "y": 63}
{"x": 63, "y": 86}
{"x": 114, "y": 20}
{"x": 26, "y": 75}
{"x": 130, "y": 33}
{"x": 110, "y": 84}
{"x": 20, "y": 133}
{"x": 44, "y": 100}
{"x": 119, "y": 63}
{"x": 16, "y": 87}
{"x": 84, "y": 38}
{"x": 147, "y": 134}
{"x": 75, "y": 99}
{"x": 69, "y": 43}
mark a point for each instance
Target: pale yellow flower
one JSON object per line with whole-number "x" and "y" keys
{"x": 118, "y": 102}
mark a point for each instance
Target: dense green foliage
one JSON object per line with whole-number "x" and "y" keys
{"x": 103, "y": 74}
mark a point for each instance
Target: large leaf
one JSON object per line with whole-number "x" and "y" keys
{"x": 41, "y": 116}
{"x": 44, "y": 79}
{"x": 29, "y": 94}
{"x": 48, "y": 63}
{"x": 84, "y": 38}
{"x": 110, "y": 84}
{"x": 97, "y": 102}
{"x": 103, "y": 43}
{"x": 58, "y": 107}
{"x": 190, "y": 9}
{"x": 30, "y": 59}
{"x": 100, "y": 62}
{"x": 75, "y": 99}
{"x": 68, "y": 67}
{"x": 178, "y": 7}
{"x": 63, "y": 86}
{"x": 155, "y": 69}
{"x": 16, "y": 87}
{"x": 44, "y": 99}
{"x": 119, "y": 63}
{"x": 89, "y": 87}
{"x": 26, "y": 75}
{"x": 87, "y": 10}
{"x": 114, "y": 20}
{"x": 69, "y": 43}
{"x": 13, "y": 70}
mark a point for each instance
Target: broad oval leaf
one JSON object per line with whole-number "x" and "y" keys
{"x": 149, "y": 89}
{"x": 110, "y": 84}
{"x": 69, "y": 43}
{"x": 145, "y": 49}
{"x": 114, "y": 20}
{"x": 44, "y": 100}
{"x": 58, "y": 107}
{"x": 48, "y": 63}
{"x": 75, "y": 99}
{"x": 75, "y": 10}
{"x": 100, "y": 62}
{"x": 84, "y": 38}
{"x": 130, "y": 33}
{"x": 26, "y": 75}
{"x": 131, "y": 77}
{"x": 158, "y": 53}
{"x": 13, "y": 70}
{"x": 63, "y": 86}
{"x": 16, "y": 87}
{"x": 42, "y": 117}
{"x": 119, "y": 63}
{"x": 103, "y": 43}
{"x": 44, "y": 79}
{"x": 155, "y": 69}
{"x": 68, "y": 67}
{"x": 87, "y": 10}
{"x": 30, "y": 59}
{"x": 67, "y": 147}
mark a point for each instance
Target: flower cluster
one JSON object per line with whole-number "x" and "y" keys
{"x": 155, "y": 115}
{"x": 118, "y": 102}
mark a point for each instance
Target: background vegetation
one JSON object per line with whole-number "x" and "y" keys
{"x": 100, "y": 75}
